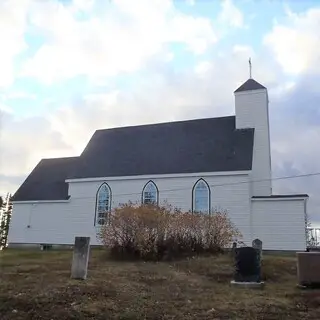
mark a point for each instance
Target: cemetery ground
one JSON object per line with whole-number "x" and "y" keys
{"x": 37, "y": 285}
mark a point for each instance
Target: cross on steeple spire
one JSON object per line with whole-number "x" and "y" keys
{"x": 250, "y": 69}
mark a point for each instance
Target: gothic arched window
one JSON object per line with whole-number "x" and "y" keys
{"x": 201, "y": 197}
{"x": 150, "y": 193}
{"x": 103, "y": 204}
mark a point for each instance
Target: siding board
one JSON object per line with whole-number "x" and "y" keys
{"x": 279, "y": 224}
{"x": 59, "y": 223}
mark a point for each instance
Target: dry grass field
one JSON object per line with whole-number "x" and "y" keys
{"x": 37, "y": 285}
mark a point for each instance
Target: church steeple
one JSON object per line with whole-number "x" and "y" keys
{"x": 252, "y": 111}
{"x": 250, "y": 84}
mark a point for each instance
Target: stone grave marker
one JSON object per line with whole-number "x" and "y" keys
{"x": 80, "y": 259}
{"x": 257, "y": 244}
{"x": 247, "y": 268}
{"x": 234, "y": 247}
{"x": 308, "y": 266}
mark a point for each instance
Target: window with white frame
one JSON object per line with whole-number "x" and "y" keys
{"x": 150, "y": 193}
{"x": 103, "y": 204}
{"x": 201, "y": 197}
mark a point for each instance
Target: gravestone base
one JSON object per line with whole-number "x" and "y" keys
{"x": 307, "y": 286}
{"x": 249, "y": 285}
{"x": 45, "y": 247}
{"x": 308, "y": 264}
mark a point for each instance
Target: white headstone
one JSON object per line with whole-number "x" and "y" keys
{"x": 80, "y": 259}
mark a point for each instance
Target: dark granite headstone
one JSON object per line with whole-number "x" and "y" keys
{"x": 247, "y": 265}
{"x": 80, "y": 258}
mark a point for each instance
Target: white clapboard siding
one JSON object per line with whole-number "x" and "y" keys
{"x": 280, "y": 224}
{"x": 252, "y": 112}
{"x": 59, "y": 223}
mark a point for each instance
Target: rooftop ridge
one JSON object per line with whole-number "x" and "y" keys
{"x": 59, "y": 158}
{"x": 166, "y": 122}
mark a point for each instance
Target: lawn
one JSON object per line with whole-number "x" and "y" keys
{"x": 37, "y": 285}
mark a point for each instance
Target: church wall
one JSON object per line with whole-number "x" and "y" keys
{"x": 252, "y": 112}
{"x": 59, "y": 223}
{"x": 280, "y": 223}
{"x": 52, "y": 223}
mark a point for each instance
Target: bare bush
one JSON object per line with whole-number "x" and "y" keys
{"x": 162, "y": 232}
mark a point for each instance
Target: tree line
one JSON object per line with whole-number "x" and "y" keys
{"x": 5, "y": 217}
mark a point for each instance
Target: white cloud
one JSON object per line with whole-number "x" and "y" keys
{"x": 13, "y": 16}
{"x": 19, "y": 95}
{"x": 4, "y": 109}
{"x": 296, "y": 43}
{"x": 242, "y": 48}
{"x": 231, "y": 15}
{"x": 301, "y": 135}
{"x": 122, "y": 39}
{"x": 5, "y": 186}
{"x": 83, "y": 5}
{"x": 163, "y": 95}
{"x": 191, "y": 2}
{"x": 284, "y": 88}
{"x": 24, "y": 142}
{"x": 203, "y": 67}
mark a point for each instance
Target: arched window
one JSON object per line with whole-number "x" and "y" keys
{"x": 150, "y": 193}
{"x": 201, "y": 197}
{"x": 103, "y": 204}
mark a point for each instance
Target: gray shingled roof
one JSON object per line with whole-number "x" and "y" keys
{"x": 250, "y": 84}
{"x": 202, "y": 145}
{"x": 47, "y": 181}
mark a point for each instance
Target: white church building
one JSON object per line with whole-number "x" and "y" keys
{"x": 194, "y": 165}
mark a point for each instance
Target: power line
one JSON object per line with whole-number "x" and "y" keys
{"x": 214, "y": 185}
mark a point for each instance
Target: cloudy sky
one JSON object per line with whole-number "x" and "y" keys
{"x": 69, "y": 67}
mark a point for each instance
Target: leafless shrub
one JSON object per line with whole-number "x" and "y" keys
{"x": 162, "y": 232}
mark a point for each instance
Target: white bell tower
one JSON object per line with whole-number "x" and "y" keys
{"x": 252, "y": 111}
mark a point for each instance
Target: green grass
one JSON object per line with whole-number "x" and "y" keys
{"x": 37, "y": 285}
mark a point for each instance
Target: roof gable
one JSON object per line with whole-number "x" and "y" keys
{"x": 46, "y": 181}
{"x": 250, "y": 84}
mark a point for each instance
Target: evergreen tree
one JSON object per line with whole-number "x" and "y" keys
{"x": 5, "y": 220}
{"x": 2, "y": 221}
{"x": 2, "y": 210}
